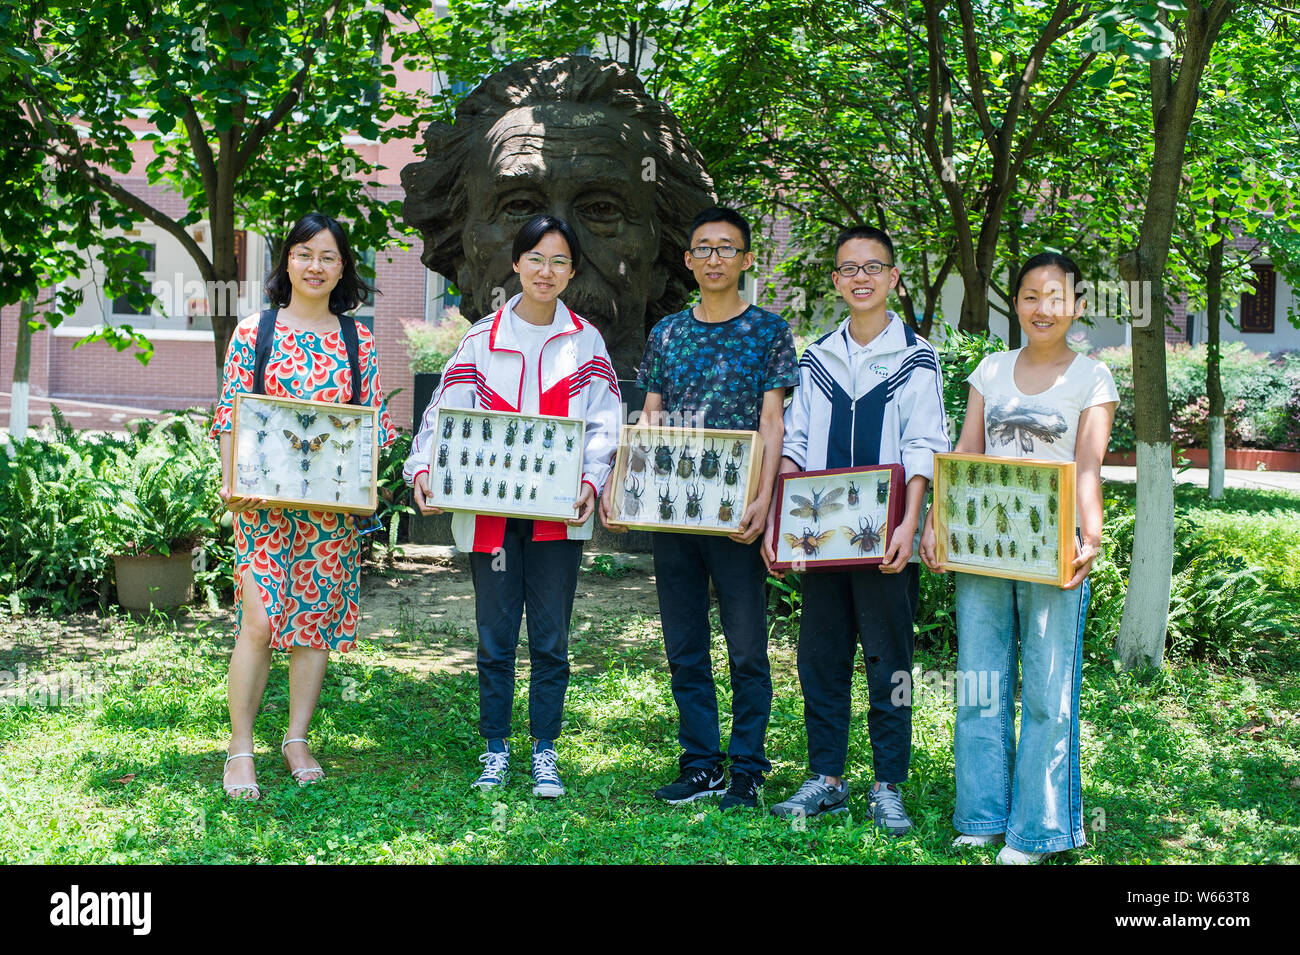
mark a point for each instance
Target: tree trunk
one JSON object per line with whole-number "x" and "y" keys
{"x": 1013, "y": 248}
{"x": 22, "y": 369}
{"x": 1213, "y": 382}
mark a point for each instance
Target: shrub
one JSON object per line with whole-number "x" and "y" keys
{"x": 430, "y": 346}
{"x": 959, "y": 354}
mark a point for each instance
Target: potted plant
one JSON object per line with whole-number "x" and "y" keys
{"x": 429, "y": 347}
{"x": 161, "y": 514}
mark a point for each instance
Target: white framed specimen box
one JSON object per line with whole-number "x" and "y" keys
{"x": 506, "y": 463}
{"x": 690, "y": 480}
{"x": 1005, "y": 517}
{"x": 837, "y": 518}
{"x": 314, "y": 455}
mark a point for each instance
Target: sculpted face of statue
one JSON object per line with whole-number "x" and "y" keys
{"x": 579, "y": 139}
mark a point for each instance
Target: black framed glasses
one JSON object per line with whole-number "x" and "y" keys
{"x": 850, "y": 269}
{"x": 703, "y": 252}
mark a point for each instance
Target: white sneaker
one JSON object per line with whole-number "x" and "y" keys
{"x": 546, "y": 781}
{"x": 982, "y": 839}
{"x": 1010, "y": 856}
{"x": 496, "y": 770}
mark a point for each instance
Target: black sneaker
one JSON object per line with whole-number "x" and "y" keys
{"x": 693, "y": 784}
{"x": 741, "y": 794}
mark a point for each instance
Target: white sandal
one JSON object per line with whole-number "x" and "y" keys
{"x": 240, "y": 787}
{"x": 297, "y": 774}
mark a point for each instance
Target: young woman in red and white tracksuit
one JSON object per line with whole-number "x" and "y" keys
{"x": 536, "y": 356}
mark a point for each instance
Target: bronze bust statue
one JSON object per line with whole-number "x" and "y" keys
{"x": 578, "y": 138}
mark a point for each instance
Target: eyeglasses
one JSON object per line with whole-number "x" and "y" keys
{"x": 327, "y": 260}
{"x": 559, "y": 263}
{"x": 850, "y": 269}
{"x": 703, "y": 252}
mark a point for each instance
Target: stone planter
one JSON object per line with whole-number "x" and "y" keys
{"x": 158, "y": 582}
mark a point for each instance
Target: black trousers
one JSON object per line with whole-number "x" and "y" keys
{"x": 839, "y": 611}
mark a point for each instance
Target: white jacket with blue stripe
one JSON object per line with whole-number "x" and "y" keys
{"x": 892, "y": 415}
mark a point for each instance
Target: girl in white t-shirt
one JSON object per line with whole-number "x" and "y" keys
{"x": 1040, "y": 401}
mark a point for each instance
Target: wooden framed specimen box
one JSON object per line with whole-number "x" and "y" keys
{"x": 1005, "y": 517}
{"x": 506, "y": 463}
{"x": 837, "y": 518}
{"x": 689, "y": 480}
{"x": 313, "y": 455}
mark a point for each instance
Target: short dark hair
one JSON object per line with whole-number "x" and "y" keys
{"x": 865, "y": 232}
{"x": 351, "y": 290}
{"x": 1063, "y": 262}
{"x": 722, "y": 214}
{"x": 531, "y": 232}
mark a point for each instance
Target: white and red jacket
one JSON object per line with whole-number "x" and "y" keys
{"x": 575, "y": 379}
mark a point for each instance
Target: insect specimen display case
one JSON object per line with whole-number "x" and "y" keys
{"x": 836, "y": 518}
{"x": 690, "y": 480}
{"x": 1005, "y": 517}
{"x": 314, "y": 455}
{"x": 506, "y": 463}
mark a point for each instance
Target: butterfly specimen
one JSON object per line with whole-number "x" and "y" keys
{"x": 304, "y": 444}
{"x": 822, "y": 502}
{"x": 808, "y": 542}
{"x": 343, "y": 424}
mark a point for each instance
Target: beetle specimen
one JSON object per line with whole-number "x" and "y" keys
{"x": 738, "y": 449}
{"x": 442, "y": 456}
{"x": 732, "y": 475}
{"x": 446, "y": 484}
{"x": 1011, "y": 547}
{"x": 952, "y": 506}
{"x": 867, "y": 537}
{"x": 1016, "y": 503}
{"x": 636, "y": 457}
{"x": 882, "y": 491}
{"x": 305, "y": 463}
{"x": 1033, "y": 480}
{"x": 523, "y": 462}
{"x": 506, "y": 461}
{"x": 972, "y": 473}
{"x": 694, "y": 495}
{"x": 469, "y": 485}
{"x": 725, "y": 509}
{"x": 988, "y": 474}
{"x": 1051, "y": 510}
{"x": 550, "y": 468}
{"x": 512, "y": 429}
{"x": 1033, "y": 551}
{"x": 632, "y": 499}
{"x": 822, "y": 502}
{"x": 956, "y": 546}
{"x": 853, "y": 495}
{"x": 970, "y": 511}
{"x": 666, "y": 510}
{"x": 986, "y": 550}
{"x": 448, "y": 424}
{"x": 1051, "y": 481}
{"x": 492, "y": 460}
{"x": 537, "y": 464}
{"x": 952, "y": 472}
{"x": 528, "y": 432}
{"x": 686, "y": 463}
{"x": 532, "y": 494}
{"x": 548, "y": 435}
{"x": 1035, "y": 520}
{"x": 464, "y": 457}
{"x": 998, "y": 547}
{"x": 970, "y": 543}
{"x": 487, "y": 430}
{"x": 808, "y": 542}
{"x": 985, "y": 501}
{"x": 709, "y": 462}
{"x": 487, "y": 486}
{"x": 501, "y": 490}
{"x": 519, "y": 492}
{"x": 568, "y": 442}
{"x": 663, "y": 459}
{"x": 1004, "y": 475}
{"x": 478, "y": 460}
{"x": 466, "y": 428}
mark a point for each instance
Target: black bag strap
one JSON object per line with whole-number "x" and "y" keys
{"x": 266, "y": 338}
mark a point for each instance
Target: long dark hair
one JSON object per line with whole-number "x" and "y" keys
{"x": 351, "y": 290}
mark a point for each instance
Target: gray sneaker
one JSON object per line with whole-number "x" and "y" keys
{"x": 886, "y": 805}
{"x": 496, "y": 770}
{"x": 814, "y": 797}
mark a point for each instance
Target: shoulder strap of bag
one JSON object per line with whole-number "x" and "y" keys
{"x": 348, "y": 329}
{"x": 262, "y": 348}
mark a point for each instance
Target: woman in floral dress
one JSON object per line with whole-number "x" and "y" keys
{"x": 297, "y": 572}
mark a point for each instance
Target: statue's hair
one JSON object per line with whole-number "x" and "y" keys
{"x": 436, "y": 198}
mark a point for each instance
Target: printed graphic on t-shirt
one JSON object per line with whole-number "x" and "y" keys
{"x": 1012, "y": 419}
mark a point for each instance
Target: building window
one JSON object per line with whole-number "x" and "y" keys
{"x": 1257, "y": 306}
{"x": 122, "y": 304}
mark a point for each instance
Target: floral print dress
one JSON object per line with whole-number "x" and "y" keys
{"x": 305, "y": 563}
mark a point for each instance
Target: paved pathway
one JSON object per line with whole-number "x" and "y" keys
{"x": 1266, "y": 480}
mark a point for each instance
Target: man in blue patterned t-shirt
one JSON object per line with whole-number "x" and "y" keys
{"x": 722, "y": 364}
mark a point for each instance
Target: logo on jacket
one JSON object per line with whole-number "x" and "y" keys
{"x": 880, "y": 370}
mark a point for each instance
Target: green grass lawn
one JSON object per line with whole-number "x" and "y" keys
{"x": 1199, "y": 765}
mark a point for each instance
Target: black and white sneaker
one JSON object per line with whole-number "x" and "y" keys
{"x": 694, "y": 784}
{"x": 742, "y": 793}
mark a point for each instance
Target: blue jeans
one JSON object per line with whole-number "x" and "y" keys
{"x": 541, "y": 575}
{"x": 1029, "y": 791}
{"x": 684, "y": 564}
